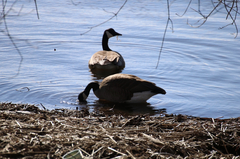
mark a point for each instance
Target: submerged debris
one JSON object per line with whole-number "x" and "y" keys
{"x": 29, "y": 132}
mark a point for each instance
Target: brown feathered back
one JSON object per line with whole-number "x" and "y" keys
{"x": 106, "y": 58}
{"x": 121, "y": 87}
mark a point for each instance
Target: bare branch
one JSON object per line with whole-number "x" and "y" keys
{"x": 165, "y": 31}
{"x": 9, "y": 35}
{"x": 229, "y": 14}
{"x": 185, "y": 9}
{"x": 6, "y": 30}
{"x": 232, "y": 12}
{"x": 35, "y": 1}
{"x": 204, "y": 17}
{"x": 75, "y": 3}
{"x": 115, "y": 15}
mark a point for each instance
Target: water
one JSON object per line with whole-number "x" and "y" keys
{"x": 199, "y": 67}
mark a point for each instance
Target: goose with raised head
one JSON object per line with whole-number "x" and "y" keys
{"x": 106, "y": 59}
{"x": 120, "y": 88}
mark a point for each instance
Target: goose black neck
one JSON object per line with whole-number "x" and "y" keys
{"x": 92, "y": 85}
{"x": 105, "y": 42}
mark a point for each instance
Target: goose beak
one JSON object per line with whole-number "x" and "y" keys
{"x": 118, "y": 34}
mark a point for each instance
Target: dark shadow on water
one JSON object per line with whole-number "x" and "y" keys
{"x": 124, "y": 109}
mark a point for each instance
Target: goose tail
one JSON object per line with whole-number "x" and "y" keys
{"x": 159, "y": 90}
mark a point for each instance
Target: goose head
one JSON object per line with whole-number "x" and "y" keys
{"x": 111, "y": 33}
{"x": 83, "y": 95}
{"x": 106, "y": 35}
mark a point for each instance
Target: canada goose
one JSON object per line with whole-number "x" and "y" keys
{"x": 106, "y": 59}
{"x": 120, "y": 88}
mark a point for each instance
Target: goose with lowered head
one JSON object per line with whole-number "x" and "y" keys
{"x": 107, "y": 59}
{"x": 120, "y": 88}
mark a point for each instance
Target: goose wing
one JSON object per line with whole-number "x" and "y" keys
{"x": 106, "y": 57}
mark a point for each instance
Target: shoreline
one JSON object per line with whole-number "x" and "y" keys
{"x": 30, "y": 132}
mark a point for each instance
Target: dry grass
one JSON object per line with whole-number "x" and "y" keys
{"x": 28, "y": 132}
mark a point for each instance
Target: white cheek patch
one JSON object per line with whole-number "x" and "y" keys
{"x": 109, "y": 35}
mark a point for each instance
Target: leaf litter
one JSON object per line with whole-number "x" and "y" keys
{"x": 30, "y": 132}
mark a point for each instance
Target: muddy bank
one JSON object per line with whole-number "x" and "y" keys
{"x": 29, "y": 132}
